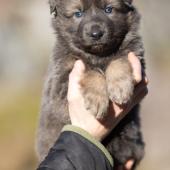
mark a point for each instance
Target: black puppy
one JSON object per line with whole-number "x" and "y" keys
{"x": 101, "y": 33}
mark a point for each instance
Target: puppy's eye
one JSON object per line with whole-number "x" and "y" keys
{"x": 78, "y": 14}
{"x": 108, "y": 9}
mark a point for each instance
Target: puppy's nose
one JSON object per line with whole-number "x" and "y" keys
{"x": 96, "y": 32}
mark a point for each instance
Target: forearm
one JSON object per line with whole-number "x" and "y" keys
{"x": 76, "y": 149}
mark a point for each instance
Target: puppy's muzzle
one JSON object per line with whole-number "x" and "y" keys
{"x": 96, "y": 32}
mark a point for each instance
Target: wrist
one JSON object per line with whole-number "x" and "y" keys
{"x": 91, "y": 139}
{"x": 94, "y": 127}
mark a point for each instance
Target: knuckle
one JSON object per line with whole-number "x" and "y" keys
{"x": 138, "y": 79}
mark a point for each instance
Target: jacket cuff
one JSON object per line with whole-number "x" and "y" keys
{"x": 86, "y": 135}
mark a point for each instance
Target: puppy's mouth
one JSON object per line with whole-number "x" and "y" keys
{"x": 96, "y": 48}
{"x": 99, "y": 49}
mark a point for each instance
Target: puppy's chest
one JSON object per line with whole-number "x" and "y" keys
{"x": 97, "y": 63}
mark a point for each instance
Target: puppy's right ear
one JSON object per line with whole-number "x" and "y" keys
{"x": 53, "y": 8}
{"x": 129, "y": 4}
{"x": 53, "y": 11}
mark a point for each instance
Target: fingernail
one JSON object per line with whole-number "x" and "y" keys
{"x": 79, "y": 65}
{"x": 131, "y": 54}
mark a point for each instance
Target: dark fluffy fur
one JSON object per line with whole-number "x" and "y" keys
{"x": 106, "y": 62}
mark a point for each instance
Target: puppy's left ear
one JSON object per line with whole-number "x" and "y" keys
{"x": 129, "y": 4}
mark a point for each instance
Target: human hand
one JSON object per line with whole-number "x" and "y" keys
{"x": 140, "y": 92}
{"x": 82, "y": 118}
{"x": 118, "y": 112}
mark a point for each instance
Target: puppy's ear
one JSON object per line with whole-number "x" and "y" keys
{"x": 53, "y": 11}
{"x": 53, "y": 8}
{"x": 128, "y": 1}
{"x": 129, "y": 4}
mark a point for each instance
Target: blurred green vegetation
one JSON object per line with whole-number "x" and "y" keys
{"x": 19, "y": 111}
{"x": 18, "y": 121}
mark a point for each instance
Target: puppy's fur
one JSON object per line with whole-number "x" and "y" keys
{"x": 101, "y": 33}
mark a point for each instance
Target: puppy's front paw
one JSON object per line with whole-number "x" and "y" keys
{"x": 121, "y": 91}
{"x": 120, "y": 83}
{"x": 95, "y": 94}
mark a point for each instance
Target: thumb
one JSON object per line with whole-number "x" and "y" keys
{"x": 136, "y": 66}
{"x": 74, "y": 80}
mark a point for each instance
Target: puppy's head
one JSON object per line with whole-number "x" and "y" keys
{"x": 95, "y": 26}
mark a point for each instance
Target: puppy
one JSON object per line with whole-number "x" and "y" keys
{"x": 101, "y": 33}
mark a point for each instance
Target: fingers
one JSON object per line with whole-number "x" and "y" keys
{"x": 140, "y": 92}
{"x": 141, "y": 80}
{"x": 141, "y": 96}
{"x": 129, "y": 164}
{"x": 74, "y": 80}
{"x": 77, "y": 72}
{"x": 145, "y": 79}
{"x": 136, "y": 66}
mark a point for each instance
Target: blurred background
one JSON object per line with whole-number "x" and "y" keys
{"x": 26, "y": 41}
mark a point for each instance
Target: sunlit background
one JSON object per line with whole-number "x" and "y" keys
{"x": 26, "y": 41}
